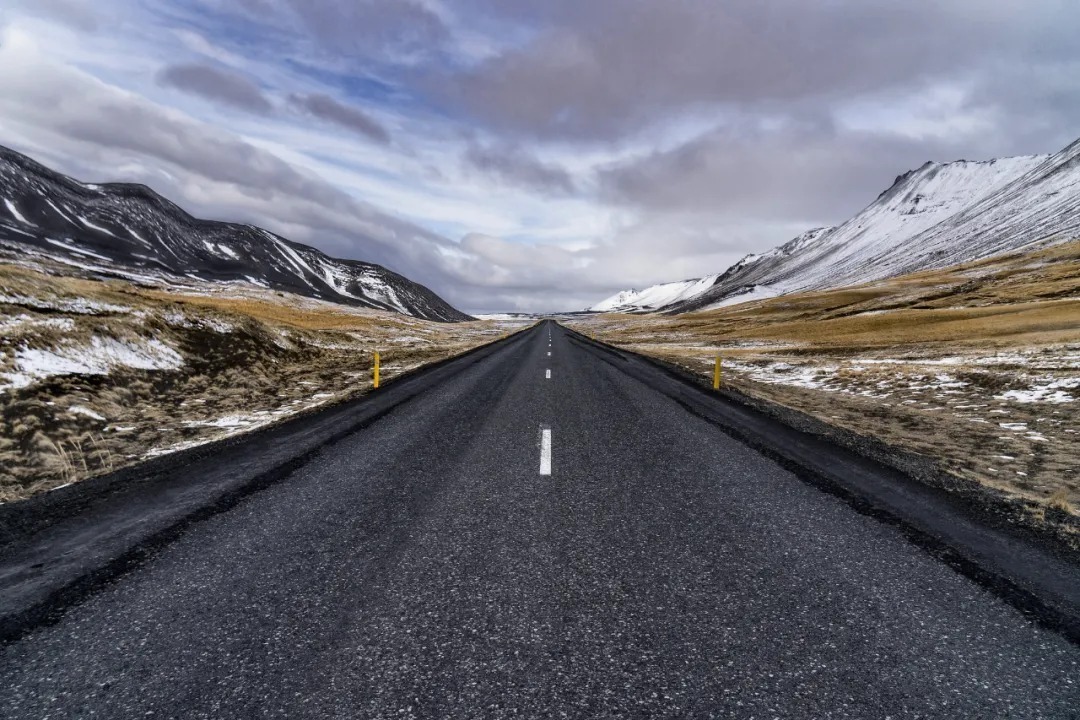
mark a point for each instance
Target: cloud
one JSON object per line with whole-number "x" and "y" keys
{"x": 612, "y": 67}
{"x": 339, "y": 31}
{"x": 327, "y": 108}
{"x": 513, "y": 164}
{"x": 574, "y": 148}
{"x": 402, "y": 29}
{"x": 83, "y": 126}
{"x": 73, "y": 13}
{"x": 61, "y": 112}
{"x": 808, "y": 172}
{"x": 217, "y": 85}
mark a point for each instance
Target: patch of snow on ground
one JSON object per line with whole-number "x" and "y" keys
{"x": 237, "y": 423}
{"x": 178, "y": 319}
{"x": 78, "y": 306}
{"x": 59, "y": 212}
{"x": 15, "y": 212}
{"x": 92, "y": 226}
{"x": 1051, "y": 392}
{"x": 99, "y": 358}
{"x": 758, "y": 292}
{"x": 79, "y": 250}
{"x": 80, "y": 410}
{"x": 137, "y": 236}
{"x": 19, "y": 321}
{"x": 155, "y": 452}
{"x": 12, "y": 228}
{"x": 228, "y": 421}
{"x": 780, "y": 373}
{"x": 913, "y": 361}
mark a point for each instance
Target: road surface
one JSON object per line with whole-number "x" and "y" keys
{"x": 540, "y": 534}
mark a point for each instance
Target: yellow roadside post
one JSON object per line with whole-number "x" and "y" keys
{"x": 716, "y": 375}
{"x": 376, "y": 378}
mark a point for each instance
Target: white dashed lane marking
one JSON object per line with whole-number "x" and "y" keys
{"x": 545, "y": 452}
{"x": 548, "y": 376}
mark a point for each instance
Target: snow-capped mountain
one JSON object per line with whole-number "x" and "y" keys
{"x": 125, "y": 230}
{"x": 938, "y": 215}
{"x": 656, "y": 296}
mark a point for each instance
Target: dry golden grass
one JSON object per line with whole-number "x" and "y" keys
{"x": 280, "y": 312}
{"x": 1013, "y": 299}
{"x": 1060, "y": 501}
{"x": 1026, "y": 323}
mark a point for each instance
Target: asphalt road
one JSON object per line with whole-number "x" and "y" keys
{"x": 425, "y": 566}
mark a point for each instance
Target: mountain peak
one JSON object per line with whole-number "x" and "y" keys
{"x": 128, "y": 230}
{"x": 936, "y": 215}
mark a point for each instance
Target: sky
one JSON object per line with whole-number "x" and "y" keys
{"x": 533, "y": 156}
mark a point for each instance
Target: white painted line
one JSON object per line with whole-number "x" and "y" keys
{"x": 545, "y": 453}
{"x": 548, "y": 375}
{"x": 549, "y": 354}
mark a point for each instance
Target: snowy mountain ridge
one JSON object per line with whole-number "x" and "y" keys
{"x": 937, "y": 215}
{"x": 129, "y": 231}
{"x": 654, "y": 297}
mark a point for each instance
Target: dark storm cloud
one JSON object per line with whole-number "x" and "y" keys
{"x": 327, "y": 108}
{"x": 795, "y": 172}
{"x": 217, "y": 85}
{"x": 513, "y": 164}
{"x": 608, "y": 67}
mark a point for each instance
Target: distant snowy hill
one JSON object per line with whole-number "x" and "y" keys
{"x": 654, "y": 297}
{"x": 130, "y": 231}
{"x": 940, "y": 214}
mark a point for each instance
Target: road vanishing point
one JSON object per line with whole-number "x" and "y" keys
{"x": 546, "y": 527}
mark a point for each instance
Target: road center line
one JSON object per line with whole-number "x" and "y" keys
{"x": 549, "y": 354}
{"x": 545, "y": 452}
{"x": 548, "y": 374}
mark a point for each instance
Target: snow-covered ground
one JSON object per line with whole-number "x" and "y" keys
{"x": 99, "y": 357}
